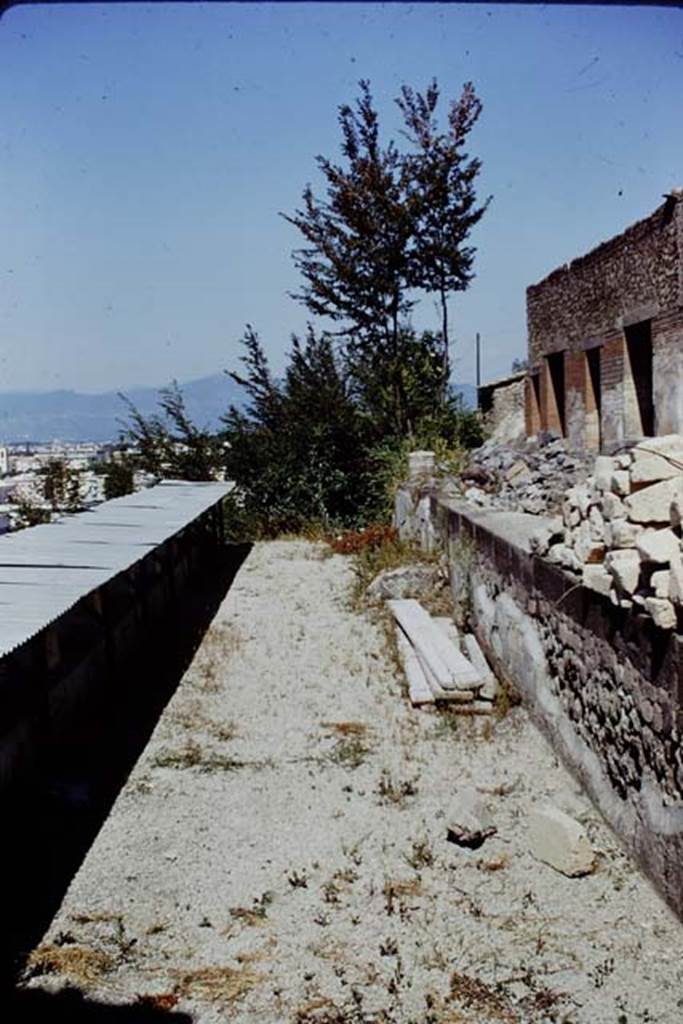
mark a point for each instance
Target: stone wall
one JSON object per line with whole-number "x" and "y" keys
{"x": 502, "y": 404}
{"x": 581, "y": 324}
{"x": 603, "y": 683}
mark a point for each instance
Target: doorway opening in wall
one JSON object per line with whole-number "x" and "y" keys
{"x": 593, "y": 399}
{"x": 639, "y": 350}
{"x": 556, "y": 375}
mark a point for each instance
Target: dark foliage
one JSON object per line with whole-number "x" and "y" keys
{"x": 169, "y": 444}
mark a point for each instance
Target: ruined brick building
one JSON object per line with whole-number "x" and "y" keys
{"x": 606, "y": 338}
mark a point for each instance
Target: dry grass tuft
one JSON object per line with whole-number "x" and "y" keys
{"x": 81, "y": 965}
{"x": 495, "y": 864}
{"x": 255, "y": 914}
{"x": 392, "y": 791}
{"x": 346, "y": 728}
{"x": 191, "y": 755}
{"x": 475, "y": 994}
{"x": 398, "y": 893}
{"x": 217, "y": 984}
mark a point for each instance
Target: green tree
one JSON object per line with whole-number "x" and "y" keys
{"x": 119, "y": 475}
{"x": 297, "y": 450}
{"x": 441, "y": 178}
{"x": 391, "y": 224}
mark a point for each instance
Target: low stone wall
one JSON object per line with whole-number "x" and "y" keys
{"x": 604, "y": 683}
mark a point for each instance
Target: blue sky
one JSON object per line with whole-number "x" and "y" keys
{"x": 145, "y": 152}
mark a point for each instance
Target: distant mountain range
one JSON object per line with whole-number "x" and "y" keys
{"x": 72, "y": 416}
{"x": 37, "y": 416}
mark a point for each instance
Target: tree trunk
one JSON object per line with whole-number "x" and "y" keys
{"x": 445, "y": 357}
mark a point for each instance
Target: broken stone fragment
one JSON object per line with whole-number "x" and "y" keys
{"x": 596, "y": 578}
{"x": 653, "y": 504}
{"x": 676, "y": 508}
{"x": 621, "y": 482}
{"x": 587, "y": 547}
{"x": 660, "y": 582}
{"x": 612, "y": 506}
{"x": 662, "y": 611}
{"x": 543, "y": 537}
{"x": 570, "y": 515}
{"x": 619, "y": 533}
{"x": 596, "y": 523}
{"x": 603, "y": 471}
{"x": 658, "y": 546}
{"x": 517, "y": 472}
{"x": 624, "y": 567}
{"x": 560, "y": 841}
{"x": 676, "y": 579}
{"x": 407, "y": 581}
{"x": 469, "y": 821}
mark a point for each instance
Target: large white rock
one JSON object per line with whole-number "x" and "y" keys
{"x": 624, "y": 566}
{"x": 560, "y": 841}
{"x": 596, "y": 523}
{"x": 658, "y": 458}
{"x": 658, "y": 545}
{"x": 661, "y": 582}
{"x": 653, "y": 504}
{"x": 619, "y": 533}
{"x": 596, "y": 577}
{"x": 662, "y": 611}
{"x": 621, "y": 482}
{"x": 468, "y": 820}
{"x": 587, "y": 547}
{"x": 612, "y": 506}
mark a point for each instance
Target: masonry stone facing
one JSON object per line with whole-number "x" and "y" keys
{"x": 606, "y": 338}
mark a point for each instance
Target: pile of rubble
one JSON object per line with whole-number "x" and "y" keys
{"x": 517, "y": 477}
{"x": 621, "y": 529}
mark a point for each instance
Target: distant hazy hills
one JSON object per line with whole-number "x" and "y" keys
{"x": 71, "y": 416}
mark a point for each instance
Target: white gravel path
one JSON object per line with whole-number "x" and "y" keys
{"x": 264, "y": 865}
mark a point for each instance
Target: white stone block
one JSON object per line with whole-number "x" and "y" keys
{"x": 621, "y": 482}
{"x": 596, "y": 524}
{"x": 653, "y": 504}
{"x": 595, "y": 577}
{"x": 468, "y": 819}
{"x": 624, "y": 566}
{"x": 604, "y": 468}
{"x": 619, "y": 533}
{"x": 662, "y": 611}
{"x": 661, "y": 582}
{"x": 612, "y": 506}
{"x": 658, "y": 546}
{"x": 657, "y": 458}
{"x": 560, "y": 841}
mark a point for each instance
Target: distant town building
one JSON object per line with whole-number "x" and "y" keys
{"x": 4, "y": 460}
{"x": 606, "y": 338}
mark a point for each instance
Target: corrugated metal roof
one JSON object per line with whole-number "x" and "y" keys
{"x": 45, "y": 570}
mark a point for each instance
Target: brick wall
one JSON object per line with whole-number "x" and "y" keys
{"x": 635, "y": 276}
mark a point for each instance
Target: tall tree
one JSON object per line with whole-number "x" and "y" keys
{"x": 392, "y": 223}
{"x": 441, "y": 178}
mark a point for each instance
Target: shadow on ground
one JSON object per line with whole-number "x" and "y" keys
{"x": 70, "y": 1007}
{"x": 50, "y": 823}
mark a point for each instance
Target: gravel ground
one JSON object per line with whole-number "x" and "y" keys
{"x": 279, "y": 852}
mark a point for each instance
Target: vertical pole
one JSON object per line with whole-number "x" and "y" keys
{"x": 478, "y": 366}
